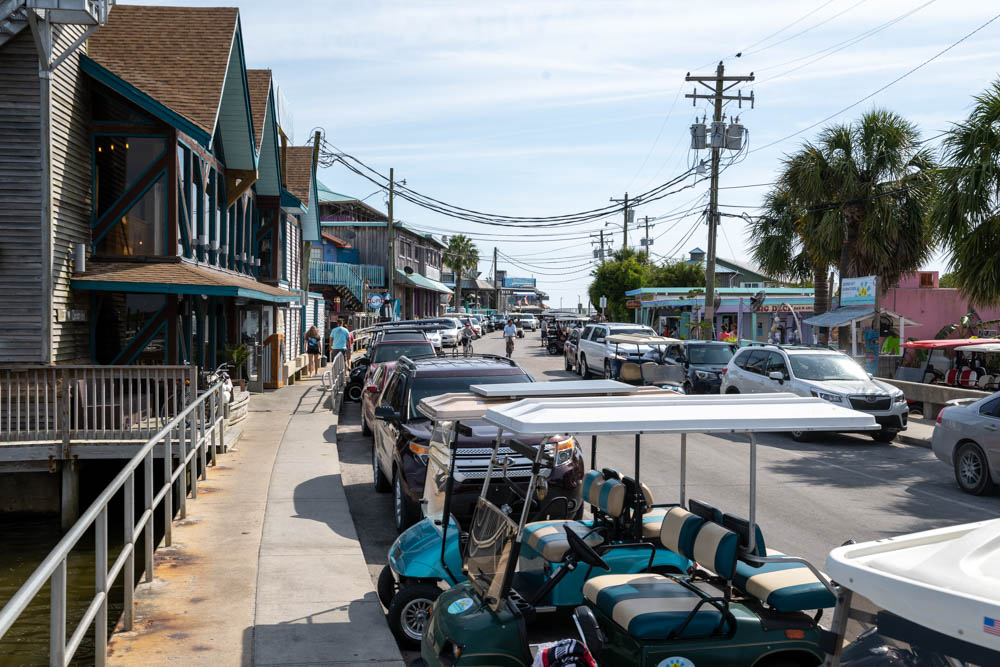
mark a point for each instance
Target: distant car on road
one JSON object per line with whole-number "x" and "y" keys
{"x": 967, "y": 437}
{"x": 528, "y": 322}
{"x": 812, "y": 371}
{"x": 571, "y": 348}
{"x": 704, "y": 363}
{"x": 595, "y": 352}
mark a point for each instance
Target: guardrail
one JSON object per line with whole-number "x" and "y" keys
{"x": 196, "y": 431}
{"x": 64, "y": 403}
{"x": 335, "y": 377}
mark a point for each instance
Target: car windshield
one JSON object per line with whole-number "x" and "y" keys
{"x": 393, "y": 351}
{"x": 826, "y": 367}
{"x": 424, "y": 387}
{"x": 710, "y": 354}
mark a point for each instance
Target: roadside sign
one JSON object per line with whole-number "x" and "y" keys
{"x": 604, "y": 302}
{"x": 858, "y": 291}
{"x": 633, "y": 303}
{"x": 374, "y": 301}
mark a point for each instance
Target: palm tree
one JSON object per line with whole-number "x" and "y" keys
{"x": 869, "y": 186}
{"x": 785, "y": 243}
{"x": 461, "y": 255}
{"x": 966, "y": 214}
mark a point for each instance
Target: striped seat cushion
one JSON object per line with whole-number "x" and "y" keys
{"x": 679, "y": 530}
{"x": 715, "y": 548}
{"x": 652, "y": 521}
{"x": 650, "y": 606}
{"x": 606, "y": 494}
{"x": 548, "y": 538}
{"x": 783, "y": 586}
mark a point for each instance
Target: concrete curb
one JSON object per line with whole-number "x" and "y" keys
{"x": 913, "y": 441}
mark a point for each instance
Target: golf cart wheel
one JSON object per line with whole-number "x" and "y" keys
{"x": 553, "y": 349}
{"x": 884, "y": 435}
{"x": 386, "y": 588}
{"x": 381, "y": 483}
{"x": 405, "y": 511}
{"x": 801, "y": 436}
{"x": 354, "y": 392}
{"x": 972, "y": 470}
{"x": 409, "y": 612}
{"x": 589, "y": 628}
{"x": 569, "y": 366}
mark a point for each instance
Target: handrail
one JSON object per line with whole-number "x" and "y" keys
{"x": 198, "y": 427}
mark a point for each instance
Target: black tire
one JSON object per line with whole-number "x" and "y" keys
{"x": 972, "y": 470}
{"x": 365, "y": 429}
{"x": 732, "y": 390}
{"x": 592, "y": 635}
{"x": 569, "y": 366}
{"x": 553, "y": 349}
{"x": 607, "y": 369}
{"x": 354, "y": 392}
{"x": 584, "y": 368}
{"x": 386, "y": 587}
{"x": 688, "y": 388}
{"x": 381, "y": 483}
{"x": 801, "y": 436}
{"x": 884, "y": 435}
{"x": 409, "y": 612}
{"x": 405, "y": 512}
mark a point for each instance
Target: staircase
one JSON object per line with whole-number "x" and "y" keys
{"x": 350, "y": 276}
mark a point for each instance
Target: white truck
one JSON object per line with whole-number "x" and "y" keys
{"x": 594, "y": 352}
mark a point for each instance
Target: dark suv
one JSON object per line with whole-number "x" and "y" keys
{"x": 402, "y": 435}
{"x": 704, "y": 363}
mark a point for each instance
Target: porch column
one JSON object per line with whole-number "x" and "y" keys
{"x": 69, "y": 503}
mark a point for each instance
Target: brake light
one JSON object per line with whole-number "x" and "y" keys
{"x": 938, "y": 420}
{"x": 724, "y": 368}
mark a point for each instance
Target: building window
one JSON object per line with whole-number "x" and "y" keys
{"x": 316, "y": 253}
{"x": 121, "y": 165}
{"x": 752, "y": 285}
{"x": 927, "y": 280}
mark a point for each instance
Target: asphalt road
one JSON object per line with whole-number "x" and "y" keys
{"x": 811, "y": 497}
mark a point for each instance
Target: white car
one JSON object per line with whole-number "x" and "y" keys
{"x": 528, "y": 322}
{"x": 812, "y": 371}
{"x": 594, "y": 352}
{"x": 449, "y": 336}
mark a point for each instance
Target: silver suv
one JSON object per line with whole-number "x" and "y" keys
{"x": 811, "y": 371}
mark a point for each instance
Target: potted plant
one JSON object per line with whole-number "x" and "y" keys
{"x": 238, "y": 356}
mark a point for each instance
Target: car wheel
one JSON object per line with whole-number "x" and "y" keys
{"x": 688, "y": 389}
{"x": 884, "y": 435}
{"x": 732, "y": 390}
{"x": 584, "y": 369}
{"x": 972, "y": 471}
{"x": 381, "y": 484}
{"x": 386, "y": 587}
{"x": 566, "y": 363}
{"x": 410, "y": 611}
{"x": 354, "y": 392}
{"x": 365, "y": 429}
{"x": 404, "y": 510}
{"x": 801, "y": 436}
{"x": 553, "y": 349}
{"x": 607, "y": 370}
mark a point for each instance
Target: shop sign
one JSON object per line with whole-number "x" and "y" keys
{"x": 858, "y": 291}
{"x": 786, "y": 308}
{"x": 633, "y": 303}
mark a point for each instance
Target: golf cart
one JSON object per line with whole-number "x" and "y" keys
{"x": 559, "y": 330}
{"x": 642, "y": 359}
{"x": 735, "y": 606}
{"x": 937, "y": 597}
{"x": 429, "y": 554}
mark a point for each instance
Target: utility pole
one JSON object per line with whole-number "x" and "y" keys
{"x": 720, "y": 138}
{"x": 625, "y": 221}
{"x": 496, "y": 288}
{"x": 647, "y": 237}
{"x": 390, "y": 280}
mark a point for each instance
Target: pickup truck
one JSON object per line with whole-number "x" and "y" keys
{"x": 594, "y": 353}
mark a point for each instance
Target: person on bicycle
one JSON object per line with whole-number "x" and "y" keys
{"x": 467, "y": 339}
{"x": 509, "y": 333}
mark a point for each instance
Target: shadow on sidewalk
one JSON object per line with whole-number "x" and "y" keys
{"x": 318, "y": 500}
{"x": 344, "y": 633}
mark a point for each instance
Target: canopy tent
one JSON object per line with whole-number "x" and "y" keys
{"x": 949, "y": 343}
{"x": 851, "y": 315}
{"x": 417, "y": 280}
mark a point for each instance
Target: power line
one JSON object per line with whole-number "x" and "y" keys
{"x": 888, "y": 85}
{"x": 781, "y": 30}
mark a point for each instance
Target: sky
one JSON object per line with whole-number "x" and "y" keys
{"x": 528, "y": 108}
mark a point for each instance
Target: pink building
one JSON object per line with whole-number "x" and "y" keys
{"x": 919, "y": 298}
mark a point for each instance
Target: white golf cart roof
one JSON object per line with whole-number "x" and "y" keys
{"x": 641, "y": 339}
{"x": 982, "y": 347}
{"x": 466, "y": 406}
{"x": 664, "y": 413}
{"x": 944, "y": 579}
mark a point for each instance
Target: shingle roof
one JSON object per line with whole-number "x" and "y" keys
{"x": 176, "y": 55}
{"x": 259, "y": 81}
{"x": 171, "y": 273}
{"x": 299, "y": 168}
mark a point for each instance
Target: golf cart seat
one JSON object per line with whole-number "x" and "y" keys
{"x": 652, "y": 521}
{"x": 547, "y": 540}
{"x": 630, "y": 372}
{"x": 659, "y": 374}
{"x": 653, "y": 606}
{"x": 781, "y": 586}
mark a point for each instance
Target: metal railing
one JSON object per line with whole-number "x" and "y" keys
{"x": 64, "y": 403}
{"x": 335, "y": 376}
{"x": 193, "y": 434}
{"x": 351, "y": 276}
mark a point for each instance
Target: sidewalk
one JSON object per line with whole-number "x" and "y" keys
{"x": 267, "y": 568}
{"x": 918, "y": 432}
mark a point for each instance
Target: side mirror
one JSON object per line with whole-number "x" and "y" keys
{"x": 372, "y": 389}
{"x": 386, "y": 412}
{"x": 777, "y": 375}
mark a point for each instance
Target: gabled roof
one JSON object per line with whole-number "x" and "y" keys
{"x": 259, "y": 81}
{"x": 183, "y": 64}
{"x": 298, "y": 172}
{"x": 740, "y": 267}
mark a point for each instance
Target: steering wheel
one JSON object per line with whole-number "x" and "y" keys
{"x": 583, "y": 550}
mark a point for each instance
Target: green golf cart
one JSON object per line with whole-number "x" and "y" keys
{"x": 740, "y": 604}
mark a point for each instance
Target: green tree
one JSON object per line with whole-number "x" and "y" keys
{"x": 462, "y": 255}
{"x": 675, "y": 274}
{"x": 966, "y": 214}
{"x": 947, "y": 280}
{"x": 869, "y": 186}
{"x": 625, "y": 271}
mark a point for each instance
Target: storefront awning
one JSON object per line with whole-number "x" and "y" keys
{"x": 843, "y": 316}
{"x": 417, "y": 280}
{"x": 175, "y": 278}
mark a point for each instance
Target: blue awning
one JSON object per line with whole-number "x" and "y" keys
{"x": 843, "y": 316}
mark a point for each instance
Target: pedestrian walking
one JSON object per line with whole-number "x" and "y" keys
{"x": 313, "y": 342}
{"x": 340, "y": 342}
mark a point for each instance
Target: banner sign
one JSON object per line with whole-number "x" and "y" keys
{"x": 633, "y": 304}
{"x": 518, "y": 282}
{"x": 786, "y": 308}
{"x": 858, "y": 291}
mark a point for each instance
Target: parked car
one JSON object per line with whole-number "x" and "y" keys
{"x": 967, "y": 437}
{"x": 827, "y": 374}
{"x": 528, "y": 322}
{"x": 374, "y": 384}
{"x": 571, "y": 348}
{"x": 449, "y": 336}
{"x": 594, "y": 352}
{"x": 704, "y": 363}
{"x": 402, "y": 436}
{"x": 431, "y": 328}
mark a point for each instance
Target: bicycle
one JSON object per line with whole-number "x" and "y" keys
{"x": 467, "y": 347}
{"x": 510, "y": 347}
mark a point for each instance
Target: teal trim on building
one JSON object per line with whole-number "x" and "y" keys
{"x": 172, "y": 288}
